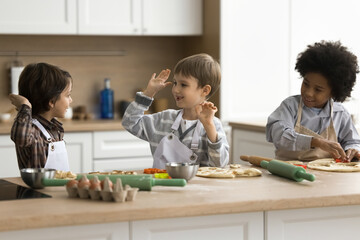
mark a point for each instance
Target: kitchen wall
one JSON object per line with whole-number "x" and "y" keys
{"x": 143, "y": 56}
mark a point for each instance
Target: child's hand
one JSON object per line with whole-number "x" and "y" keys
{"x": 18, "y": 100}
{"x": 205, "y": 112}
{"x": 352, "y": 153}
{"x": 156, "y": 84}
{"x": 334, "y": 148}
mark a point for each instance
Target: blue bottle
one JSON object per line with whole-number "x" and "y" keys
{"x": 107, "y": 101}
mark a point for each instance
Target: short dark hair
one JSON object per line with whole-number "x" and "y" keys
{"x": 41, "y": 83}
{"x": 335, "y": 62}
{"x": 203, "y": 67}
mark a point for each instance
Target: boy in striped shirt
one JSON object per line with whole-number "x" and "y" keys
{"x": 191, "y": 134}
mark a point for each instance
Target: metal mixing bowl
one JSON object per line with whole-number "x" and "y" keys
{"x": 182, "y": 170}
{"x": 33, "y": 176}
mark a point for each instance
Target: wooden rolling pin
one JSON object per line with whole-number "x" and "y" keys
{"x": 255, "y": 160}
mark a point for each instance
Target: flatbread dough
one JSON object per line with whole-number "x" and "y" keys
{"x": 330, "y": 165}
{"x": 249, "y": 172}
{"x": 114, "y": 172}
{"x": 216, "y": 172}
{"x": 64, "y": 175}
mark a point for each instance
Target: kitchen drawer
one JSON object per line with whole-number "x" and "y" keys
{"x": 138, "y": 163}
{"x": 119, "y": 144}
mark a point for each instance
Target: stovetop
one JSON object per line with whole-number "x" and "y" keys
{"x": 12, "y": 191}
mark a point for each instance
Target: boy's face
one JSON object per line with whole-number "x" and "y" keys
{"x": 187, "y": 92}
{"x": 63, "y": 103}
{"x": 315, "y": 90}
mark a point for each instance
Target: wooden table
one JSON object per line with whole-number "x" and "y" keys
{"x": 201, "y": 197}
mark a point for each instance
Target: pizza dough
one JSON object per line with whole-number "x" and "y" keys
{"x": 114, "y": 172}
{"x": 234, "y": 171}
{"x": 64, "y": 175}
{"x": 235, "y": 165}
{"x": 330, "y": 165}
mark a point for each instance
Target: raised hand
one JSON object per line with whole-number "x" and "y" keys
{"x": 18, "y": 100}
{"x": 157, "y": 83}
{"x": 205, "y": 112}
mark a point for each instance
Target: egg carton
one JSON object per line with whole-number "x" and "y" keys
{"x": 86, "y": 189}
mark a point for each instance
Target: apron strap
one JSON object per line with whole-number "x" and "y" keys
{"x": 197, "y": 126}
{"x": 299, "y": 113}
{"x": 182, "y": 135}
{"x": 42, "y": 129}
{"x": 177, "y": 121}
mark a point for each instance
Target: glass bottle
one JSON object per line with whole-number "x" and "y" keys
{"x": 107, "y": 101}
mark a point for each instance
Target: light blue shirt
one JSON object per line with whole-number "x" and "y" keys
{"x": 281, "y": 123}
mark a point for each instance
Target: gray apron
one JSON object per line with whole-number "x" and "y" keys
{"x": 171, "y": 149}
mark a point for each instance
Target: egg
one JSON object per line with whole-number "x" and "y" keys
{"x": 72, "y": 184}
{"x": 108, "y": 180}
{"x": 106, "y": 185}
{"x": 84, "y": 183}
{"x": 95, "y": 184}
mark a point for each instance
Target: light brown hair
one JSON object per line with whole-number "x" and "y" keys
{"x": 41, "y": 83}
{"x": 203, "y": 67}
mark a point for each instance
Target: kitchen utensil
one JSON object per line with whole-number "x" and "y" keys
{"x": 182, "y": 170}
{"x": 142, "y": 181}
{"x": 34, "y": 177}
{"x": 287, "y": 170}
{"x": 255, "y": 160}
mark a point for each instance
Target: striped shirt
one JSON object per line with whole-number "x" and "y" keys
{"x": 280, "y": 125}
{"x": 30, "y": 143}
{"x": 153, "y": 127}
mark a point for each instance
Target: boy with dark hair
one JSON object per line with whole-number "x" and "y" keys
{"x": 44, "y": 93}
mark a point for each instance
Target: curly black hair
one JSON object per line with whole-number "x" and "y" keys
{"x": 335, "y": 62}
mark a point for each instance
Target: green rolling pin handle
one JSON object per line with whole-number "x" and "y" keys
{"x": 54, "y": 182}
{"x": 179, "y": 182}
{"x": 264, "y": 164}
{"x": 305, "y": 175}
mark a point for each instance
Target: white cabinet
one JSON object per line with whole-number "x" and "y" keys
{"x": 120, "y": 150}
{"x": 243, "y": 226}
{"x": 37, "y": 17}
{"x": 247, "y": 142}
{"x": 331, "y": 223}
{"x": 79, "y": 148}
{"x": 110, "y": 17}
{"x": 107, "y": 17}
{"x": 140, "y": 17}
{"x": 174, "y": 17}
{"x": 89, "y": 151}
{"x": 108, "y": 231}
{"x": 9, "y": 165}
